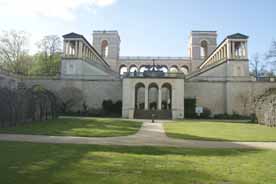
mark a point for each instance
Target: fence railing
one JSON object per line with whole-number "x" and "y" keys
{"x": 152, "y": 75}
{"x": 152, "y": 58}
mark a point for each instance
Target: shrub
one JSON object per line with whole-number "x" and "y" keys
{"x": 206, "y": 113}
{"x": 112, "y": 109}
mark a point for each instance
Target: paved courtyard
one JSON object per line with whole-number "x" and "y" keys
{"x": 151, "y": 134}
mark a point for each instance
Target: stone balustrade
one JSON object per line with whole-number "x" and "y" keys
{"x": 232, "y": 48}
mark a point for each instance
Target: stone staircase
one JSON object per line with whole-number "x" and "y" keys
{"x": 158, "y": 114}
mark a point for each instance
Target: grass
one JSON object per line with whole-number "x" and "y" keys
{"x": 24, "y": 163}
{"x": 220, "y": 131}
{"x": 78, "y": 127}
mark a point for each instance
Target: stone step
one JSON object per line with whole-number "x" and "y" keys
{"x": 147, "y": 114}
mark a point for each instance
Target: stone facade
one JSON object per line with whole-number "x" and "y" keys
{"x": 215, "y": 76}
{"x": 177, "y": 103}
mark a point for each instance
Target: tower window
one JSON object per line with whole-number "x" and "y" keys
{"x": 104, "y": 48}
{"x": 203, "y": 49}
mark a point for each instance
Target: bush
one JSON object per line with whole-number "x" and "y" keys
{"x": 206, "y": 113}
{"x": 234, "y": 116}
{"x": 112, "y": 109}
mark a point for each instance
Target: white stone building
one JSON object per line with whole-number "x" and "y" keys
{"x": 213, "y": 76}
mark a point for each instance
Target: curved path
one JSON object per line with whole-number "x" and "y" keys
{"x": 151, "y": 134}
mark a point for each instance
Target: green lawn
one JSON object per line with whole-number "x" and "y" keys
{"x": 222, "y": 131}
{"x": 25, "y": 163}
{"x": 84, "y": 127}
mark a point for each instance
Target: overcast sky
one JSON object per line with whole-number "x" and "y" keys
{"x": 146, "y": 27}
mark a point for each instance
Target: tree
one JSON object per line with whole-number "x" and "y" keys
{"x": 49, "y": 56}
{"x": 13, "y": 52}
{"x": 271, "y": 56}
{"x": 21, "y": 105}
{"x": 257, "y": 66}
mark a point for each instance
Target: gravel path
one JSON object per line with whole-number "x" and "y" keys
{"x": 151, "y": 134}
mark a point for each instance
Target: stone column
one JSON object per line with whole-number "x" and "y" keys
{"x": 233, "y": 50}
{"x": 80, "y": 49}
{"x": 225, "y": 51}
{"x": 64, "y": 48}
{"x": 246, "y": 51}
{"x": 146, "y": 97}
{"x": 160, "y": 98}
{"x": 228, "y": 49}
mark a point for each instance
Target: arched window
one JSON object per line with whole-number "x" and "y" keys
{"x": 104, "y": 48}
{"x": 123, "y": 69}
{"x": 185, "y": 70}
{"x": 203, "y": 49}
{"x": 140, "y": 96}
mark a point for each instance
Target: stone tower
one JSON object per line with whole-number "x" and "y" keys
{"x": 107, "y": 43}
{"x": 201, "y": 45}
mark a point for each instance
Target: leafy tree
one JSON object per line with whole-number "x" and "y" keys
{"x": 13, "y": 52}
{"x": 47, "y": 60}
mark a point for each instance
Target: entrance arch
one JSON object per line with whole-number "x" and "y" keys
{"x": 166, "y": 96}
{"x": 153, "y": 96}
{"x": 140, "y": 96}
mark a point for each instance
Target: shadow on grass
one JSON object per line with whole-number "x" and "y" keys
{"x": 78, "y": 127}
{"x": 47, "y": 163}
{"x": 194, "y": 137}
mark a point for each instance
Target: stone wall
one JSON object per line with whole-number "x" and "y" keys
{"x": 207, "y": 94}
{"x": 7, "y": 80}
{"x": 227, "y": 97}
{"x": 94, "y": 91}
{"x": 266, "y": 108}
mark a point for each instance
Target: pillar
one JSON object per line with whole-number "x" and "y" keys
{"x": 228, "y": 52}
{"x": 146, "y": 98}
{"x": 80, "y": 49}
{"x": 245, "y": 50}
{"x": 233, "y": 49}
{"x": 64, "y": 48}
{"x": 160, "y": 98}
{"x": 225, "y": 52}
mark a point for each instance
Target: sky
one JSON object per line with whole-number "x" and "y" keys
{"x": 146, "y": 27}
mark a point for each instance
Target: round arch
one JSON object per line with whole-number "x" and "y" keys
{"x": 123, "y": 69}
{"x": 166, "y": 96}
{"x": 164, "y": 69}
{"x": 143, "y": 68}
{"x": 203, "y": 48}
{"x": 173, "y": 69}
{"x": 133, "y": 68}
{"x": 153, "y": 91}
{"x": 140, "y": 96}
{"x": 104, "y": 48}
{"x": 184, "y": 69}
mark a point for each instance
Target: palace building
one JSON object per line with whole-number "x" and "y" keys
{"x": 214, "y": 77}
